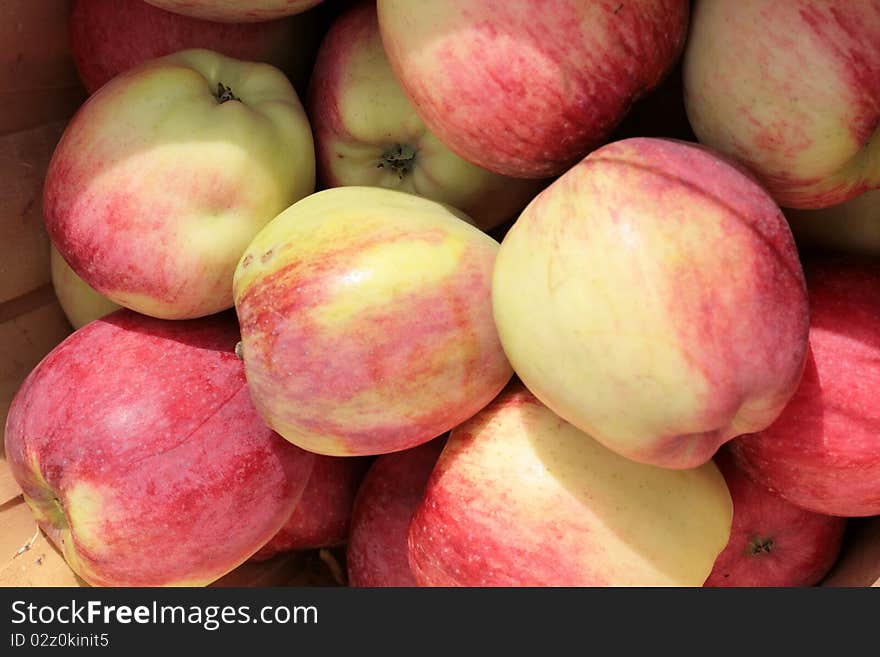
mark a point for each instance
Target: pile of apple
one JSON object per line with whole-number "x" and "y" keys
{"x": 644, "y": 383}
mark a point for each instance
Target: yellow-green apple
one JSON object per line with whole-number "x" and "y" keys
{"x": 851, "y": 227}
{"x": 323, "y": 515}
{"x": 653, "y": 297}
{"x": 792, "y": 89}
{"x": 368, "y": 133}
{"x": 167, "y": 172}
{"x": 823, "y": 452}
{"x": 142, "y": 457}
{"x": 391, "y": 492}
{"x": 236, "y": 11}
{"x": 366, "y": 321}
{"x": 772, "y": 541}
{"x": 527, "y": 88}
{"x": 79, "y": 301}
{"x": 519, "y": 497}
{"x": 108, "y": 37}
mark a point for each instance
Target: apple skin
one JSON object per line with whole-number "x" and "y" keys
{"x": 673, "y": 304}
{"x": 362, "y": 121}
{"x": 80, "y": 303}
{"x": 527, "y": 88}
{"x": 236, "y": 11}
{"x": 156, "y": 188}
{"x": 792, "y": 89}
{"x": 323, "y": 515}
{"x": 139, "y": 452}
{"x": 772, "y": 541}
{"x": 519, "y": 497}
{"x": 108, "y": 37}
{"x": 823, "y": 452}
{"x": 852, "y": 227}
{"x": 377, "y": 553}
{"x": 366, "y": 321}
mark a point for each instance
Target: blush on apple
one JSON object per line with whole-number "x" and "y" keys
{"x": 389, "y": 495}
{"x": 323, "y": 515}
{"x": 81, "y": 304}
{"x": 108, "y": 37}
{"x": 772, "y": 541}
{"x": 236, "y": 11}
{"x": 139, "y": 452}
{"x": 823, "y": 452}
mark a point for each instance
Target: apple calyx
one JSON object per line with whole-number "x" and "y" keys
{"x": 759, "y": 545}
{"x": 400, "y": 158}
{"x": 224, "y": 93}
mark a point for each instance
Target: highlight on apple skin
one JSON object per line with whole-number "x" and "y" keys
{"x": 322, "y": 517}
{"x": 519, "y": 497}
{"x": 524, "y": 91}
{"x": 772, "y": 541}
{"x": 142, "y": 458}
{"x": 236, "y": 11}
{"x": 377, "y": 552}
{"x": 368, "y": 133}
{"x": 79, "y": 301}
{"x": 366, "y": 321}
{"x": 823, "y": 452}
{"x": 791, "y": 89}
{"x": 652, "y": 296}
{"x": 109, "y": 37}
{"x": 167, "y": 172}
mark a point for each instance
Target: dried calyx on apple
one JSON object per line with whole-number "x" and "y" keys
{"x": 224, "y": 93}
{"x": 400, "y": 158}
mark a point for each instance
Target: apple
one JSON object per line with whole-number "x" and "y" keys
{"x": 108, "y": 37}
{"x": 519, "y": 497}
{"x": 377, "y": 553}
{"x": 141, "y": 456}
{"x": 167, "y": 172}
{"x": 80, "y": 303}
{"x": 851, "y": 227}
{"x": 772, "y": 541}
{"x": 366, "y": 321}
{"x": 367, "y": 132}
{"x": 792, "y": 90}
{"x": 323, "y": 515}
{"x": 652, "y": 296}
{"x": 527, "y": 89}
{"x": 823, "y": 452}
{"x": 236, "y": 11}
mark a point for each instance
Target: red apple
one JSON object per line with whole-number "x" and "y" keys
{"x": 772, "y": 541}
{"x": 108, "y": 37}
{"x": 323, "y": 515}
{"x": 139, "y": 452}
{"x": 389, "y": 495}
{"x": 527, "y": 88}
{"x": 823, "y": 452}
{"x": 236, "y": 11}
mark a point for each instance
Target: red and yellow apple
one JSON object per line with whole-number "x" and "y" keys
{"x": 823, "y": 452}
{"x": 139, "y": 452}
{"x": 772, "y": 541}
{"x": 377, "y": 552}
{"x": 79, "y": 301}
{"x": 164, "y": 176}
{"x": 792, "y": 89}
{"x": 366, "y": 321}
{"x": 519, "y": 497}
{"x": 526, "y": 88}
{"x": 652, "y": 296}
{"x": 108, "y": 37}
{"x": 852, "y": 227}
{"x": 236, "y": 11}
{"x": 323, "y": 515}
{"x": 368, "y": 133}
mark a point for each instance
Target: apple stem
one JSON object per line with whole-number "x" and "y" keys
{"x": 224, "y": 93}
{"x": 399, "y": 158}
{"x": 759, "y": 545}
{"x": 239, "y": 350}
